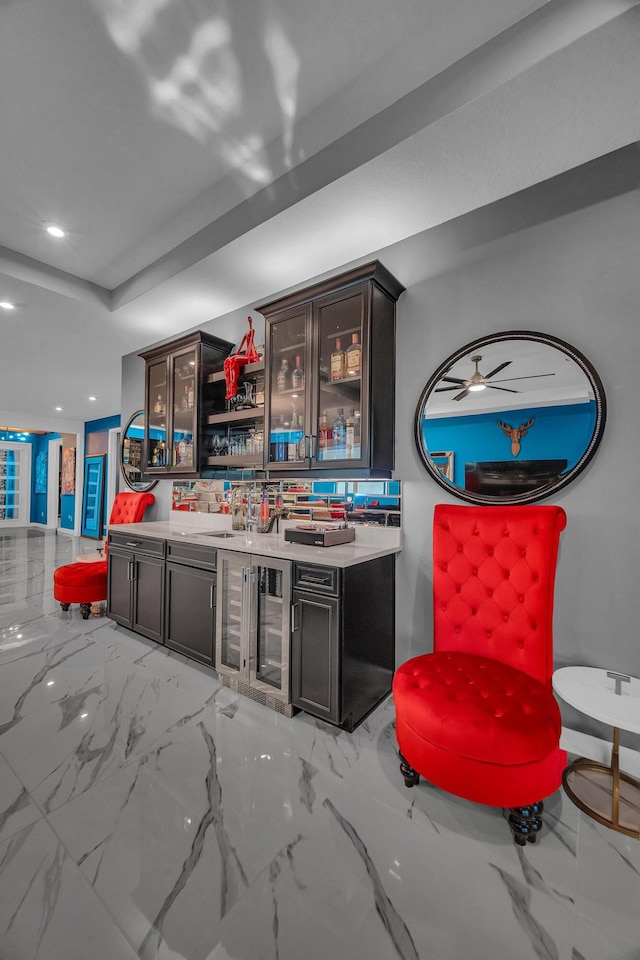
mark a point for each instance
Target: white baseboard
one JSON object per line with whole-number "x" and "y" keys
{"x": 585, "y": 745}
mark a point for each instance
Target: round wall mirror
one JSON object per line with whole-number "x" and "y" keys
{"x": 131, "y": 454}
{"x": 510, "y": 418}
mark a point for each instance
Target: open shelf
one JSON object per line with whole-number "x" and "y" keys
{"x": 236, "y": 416}
{"x": 247, "y": 370}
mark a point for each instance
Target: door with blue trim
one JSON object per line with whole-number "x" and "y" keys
{"x": 93, "y": 496}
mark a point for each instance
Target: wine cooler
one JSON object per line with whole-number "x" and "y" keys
{"x": 253, "y": 627}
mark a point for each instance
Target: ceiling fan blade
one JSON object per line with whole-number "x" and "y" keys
{"x": 532, "y": 376}
{"x": 504, "y": 389}
{"x": 463, "y": 394}
{"x": 445, "y": 389}
{"x": 452, "y": 380}
{"x": 498, "y": 369}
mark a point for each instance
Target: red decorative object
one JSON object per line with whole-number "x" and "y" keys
{"x": 477, "y": 717}
{"x": 233, "y": 364}
{"x": 86, "y": 583}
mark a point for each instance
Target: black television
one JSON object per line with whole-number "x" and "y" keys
{"x": 501, "y": 478}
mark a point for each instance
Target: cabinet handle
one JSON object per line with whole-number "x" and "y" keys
{"x": 312, "y": 446}
{"x": 307, "y": 578}
{"x": 212, "y": 597}
{"x": 130, "y": 570}
{"x": 134, "y": 543}
{"x": 294, "y": 624}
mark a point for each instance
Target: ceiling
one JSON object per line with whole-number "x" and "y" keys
{"x": 204, "y": 156}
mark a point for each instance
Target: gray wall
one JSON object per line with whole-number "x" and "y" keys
{"x": 576, "y": 276}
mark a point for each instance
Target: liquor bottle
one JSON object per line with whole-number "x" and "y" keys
{"x": 353, "y": 357}
{"x": 280, "y": 446}
{"x": 297, "y": 377}
{"x": 339, "y": 429}
{"x": 301, "y": 438}
{"x": 337, "y": 362}
{"x": 350, "y": 435}
{"x": 357, "y": 430}
{"x": 185, "y": 398}
{"x": 324, "y": 436}
{"x": 190, "y": 396}
{"x": 158, "y": 406}
{"x": 282, "y": 380}
{"x": 292, "y": 441}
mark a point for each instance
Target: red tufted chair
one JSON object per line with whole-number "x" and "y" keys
{"x": 86, "y": 583}
{"x": 477, "y": 717}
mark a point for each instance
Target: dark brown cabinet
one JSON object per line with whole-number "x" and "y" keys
{"x": 342, "y": 639}
{"x": 330, "y": 376}
{"x": 136, "y": 583}
{"x": 190, "y": 601}
{"x": 178, "y": 402}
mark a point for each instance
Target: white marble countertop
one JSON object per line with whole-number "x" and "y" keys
{"x": 370, "y": 543}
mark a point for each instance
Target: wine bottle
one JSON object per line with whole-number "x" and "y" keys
{"x": 324, "y": 436}
{"x": 337, "y": 362}
{"x": 353, "y": 357}
{"x": 282, "y": 380}
{"x": 339, "y": 430}
{"x": 297, "y": 377}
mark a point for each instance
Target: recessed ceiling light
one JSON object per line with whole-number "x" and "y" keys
{"x": 7, "y": 305}
{"x": 55, "y": 231}
{"x": 58, "y": 409}
{"x": 91, "y": 398}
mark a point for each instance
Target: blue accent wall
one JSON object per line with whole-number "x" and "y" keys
{"x": 67, "y": 510}
{"x": 102, "y": 425}
{"x": 559, "y": 432}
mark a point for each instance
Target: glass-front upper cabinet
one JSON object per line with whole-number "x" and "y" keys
{"x": 288, "y": 410}
{"x": 174, "y": 407}
{"x": 331, "y": 376}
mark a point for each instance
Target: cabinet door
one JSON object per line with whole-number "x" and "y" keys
{"x": 184, "y": 397}
{"x": 231, "y": 613}
{"x": 315, "y": 662}
{"x": 148, "y": 584}
{"x": 287, "y": 424}
{"x": 119, "y": 585}
{"x": 341, "y": 392}
{"x": 269, "y": 626}
{"x": 190, "y": 611}
{"x": 158, "y": 406}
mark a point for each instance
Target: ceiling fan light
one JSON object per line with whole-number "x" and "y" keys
{"x": 475, "y": 387}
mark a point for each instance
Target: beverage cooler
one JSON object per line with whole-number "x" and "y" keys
{"x": 253, "y": 627}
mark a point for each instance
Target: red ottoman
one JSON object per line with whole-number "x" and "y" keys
{"x": 83, "y": 583}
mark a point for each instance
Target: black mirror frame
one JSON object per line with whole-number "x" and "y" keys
{"x": 548, "y": 489}
{"x": 144, "y": 485}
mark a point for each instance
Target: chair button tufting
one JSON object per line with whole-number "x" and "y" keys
{"x": 457, "y": 630}
{"x": 475, "y": 571}
{"x": 521, "y": 598}
{"x": 473, "y": 611}
{"x": 458, "y": 589}
{"x": 489, "y": 593}
{"x": 489, "y": 634}
{"x": 443, "y": 607}
{"x": 507, "y": 574}
{"x": 506, "y": 618}
{"x": 520, "y": 644}
{"x": 490, "y": 551}
{"x": 459, "y": 548}
{"x": 523, "y": 553}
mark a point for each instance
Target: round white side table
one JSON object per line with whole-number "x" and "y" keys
{"x": 603, "y": 792}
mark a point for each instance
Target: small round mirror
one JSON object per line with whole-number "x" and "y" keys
{"x": 131, "y": 454}
{"x": 510, "y": 418}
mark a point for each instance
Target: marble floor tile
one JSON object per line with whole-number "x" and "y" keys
{"x": 17, "y": 810}
{"x": 47, "y": 909}
{"x": 147, "y": 811}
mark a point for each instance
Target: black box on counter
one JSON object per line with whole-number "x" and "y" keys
{"x": 319, "y": 536}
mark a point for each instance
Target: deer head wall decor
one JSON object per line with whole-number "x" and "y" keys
{"x": 515, "y": 433}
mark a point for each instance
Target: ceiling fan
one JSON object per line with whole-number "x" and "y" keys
{"x": 478, "y": 381}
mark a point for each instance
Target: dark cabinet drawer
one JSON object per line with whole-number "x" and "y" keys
{"x": 320, "y": 579}
{"x": 151, "y": 546}
{"x": 191, "y": 554}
